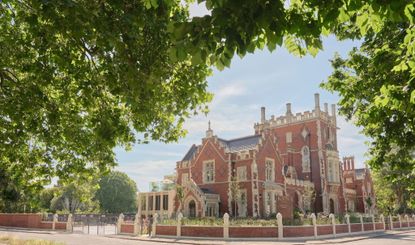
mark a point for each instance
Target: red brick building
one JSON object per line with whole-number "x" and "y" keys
{"x": 290, "y": 162}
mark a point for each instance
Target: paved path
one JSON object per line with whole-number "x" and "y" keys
{"x": 390, "y": 238}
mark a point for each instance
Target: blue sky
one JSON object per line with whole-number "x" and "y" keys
{"x": 259, "y": 79}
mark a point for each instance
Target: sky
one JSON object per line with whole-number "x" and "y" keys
{"x": 259, "y": 79}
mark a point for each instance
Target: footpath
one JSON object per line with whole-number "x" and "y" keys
{"x": 205, "y": 241}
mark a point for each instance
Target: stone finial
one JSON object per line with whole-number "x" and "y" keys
{"x": 209, "y": 132}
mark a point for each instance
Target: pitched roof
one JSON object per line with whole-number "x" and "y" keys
{"x": 246, "y": 142}
{"x": 189, "y": 155}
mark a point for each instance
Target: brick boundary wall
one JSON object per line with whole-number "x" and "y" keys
{"x": 279, "y": 232}
{"x": 33, "y": 221}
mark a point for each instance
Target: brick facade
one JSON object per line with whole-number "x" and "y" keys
{"x": 290, "y": 163}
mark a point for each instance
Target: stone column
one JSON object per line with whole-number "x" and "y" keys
{"x": 226, "y": 225}
{"x": 137, "y": 226}
{"x": 382, "y": 219}
{"x": 333, "y": 223}
{"x": 69, "y": 223}
{"x": 314, "y": 221}
{"x": 347, "y": 216}
{"x": 179, "y": 225}
{"x": 146, "y": 195}
{"x": 155, "y": 219}
{"x": 361, "y": 222}
{"x": 280, "y": 227}
{"x": 55, "y": 220}
{"x": 161, "y": 205}
{"x": 154, "y": 204}
{"x": 391, "y": 221}
{"x": 119, "y": 223}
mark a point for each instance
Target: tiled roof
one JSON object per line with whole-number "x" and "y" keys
{"x": 247, "y": 142}
{"x": 189, "y": 155}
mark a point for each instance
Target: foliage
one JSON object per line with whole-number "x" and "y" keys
{"x": 75, "y": 196}
{"x": 377, "y": 89}
{"x": 180, "y": 196}
{"x": 206, "y": 221}
{"x": 79, "y": 77}
{"x": 394, "y": 190}
{"x": 235, "y": 194}
{"x": 46, "y": 196}
{"x": 117, "y": 193}
{"x": 11, "y": 240}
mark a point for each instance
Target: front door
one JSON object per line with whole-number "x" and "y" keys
{"x": 192, "y": 209}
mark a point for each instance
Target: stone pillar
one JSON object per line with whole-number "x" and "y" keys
{"x": 154, "y": 204}
{"x": 55, "y": 220}
{"x": 179, "y": 225}
{"x": 69, "y": 223}
{"x": 361, "y": 222}
{"x": 391, "y": 221}
{"x": 137, "y": 225}
{"x": 155, "y": 219}
{"x": 146, "y": 195}
{"x": 273, "y": 206}
{"x": 373, "y": 222}
{"x": 314, "y": 221}
{"x": 382, "y": 219}
{"x": 407, "y": 221}
{"x": 119, "y": 223}
{"x": 161, "y": 205}
{"x": 400, "y": 221}
{"x": 139, "y": 204}
{"x": 333, "y": 223}
{"x": 280, "y": 227}
{"x": 347, "y": 216}
{"x": 226, "y": 225}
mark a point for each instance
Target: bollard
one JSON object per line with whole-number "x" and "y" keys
{"x": 280, "y": 227}
{"x": 333, "y": 223}
{"x": 179, "y": 225}
{"x": 226, "y": 225}
{"x": 314, "y": 221}
{"x": 347, "y": 216}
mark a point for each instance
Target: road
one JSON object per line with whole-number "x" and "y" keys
{"x": 403, "y": 238}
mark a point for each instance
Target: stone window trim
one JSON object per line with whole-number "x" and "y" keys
{"x": 241, "y": 173}
{"x": 209, "y": 171}
{"x": 269, "y": 169}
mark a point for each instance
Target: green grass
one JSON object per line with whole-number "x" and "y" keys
{"x": 11, "y": 240}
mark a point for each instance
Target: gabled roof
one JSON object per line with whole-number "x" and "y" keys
{"x": 189, "y": 155}
{"x": 246, "y": 142}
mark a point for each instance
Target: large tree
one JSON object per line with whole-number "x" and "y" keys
{"x": 117, "y": 193}
{"x": 79, "y": 77}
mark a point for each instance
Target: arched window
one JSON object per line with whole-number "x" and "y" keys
{"x": 305, "y": 152}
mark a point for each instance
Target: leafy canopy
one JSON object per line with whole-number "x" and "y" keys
{"x": 117, "y": 193}
{"x": 79, "y": 77}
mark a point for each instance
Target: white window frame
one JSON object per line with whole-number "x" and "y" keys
{"x": 205, "y": 173}
{"x": 267, "y": 177}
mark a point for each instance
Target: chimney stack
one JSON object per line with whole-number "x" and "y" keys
{"x": 288, "y": 109}
{"x": 326, "y": 108}
{"x": 317, "y": 101}
{"x": 333, "y": 113}
{"x": 263, "y": 114}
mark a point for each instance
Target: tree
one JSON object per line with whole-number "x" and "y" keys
{"x": 180, "y": 196}
{"x": 46, "y": 196}
{"x": 117, "y": 193}
{"x": 79, "y": 77}
{"x": 75, "y": 196}
{"x": 235, "y": 193}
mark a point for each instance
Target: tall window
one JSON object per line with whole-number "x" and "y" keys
{"x": 269, "y": 170}
{"x": 165, "y": 202}
{"x": 209, "y": 171}
{"x": 305, "y": 159}
{"x": 241, "y": 173}
{"x": 288, "y": 137}
{"x": 158, "y": 202}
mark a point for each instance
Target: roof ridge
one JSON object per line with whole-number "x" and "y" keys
{"x": 240, "y": 138}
